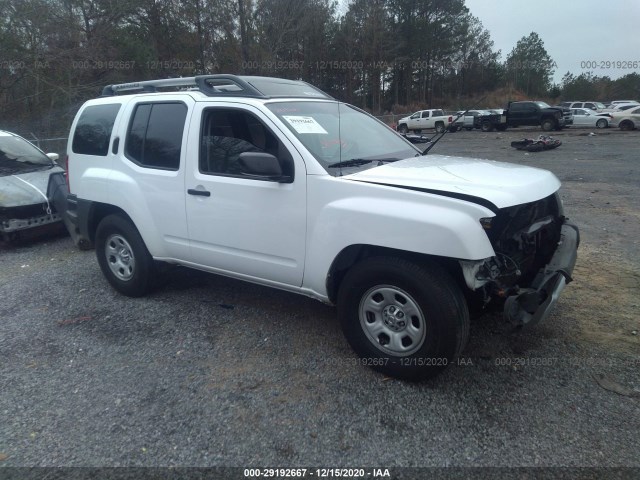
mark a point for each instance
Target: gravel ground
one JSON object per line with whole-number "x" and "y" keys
{"x": 210, "y": 371}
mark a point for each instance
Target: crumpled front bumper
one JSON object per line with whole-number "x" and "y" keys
{"x": 532, "y": 305}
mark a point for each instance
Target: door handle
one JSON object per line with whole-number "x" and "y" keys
{"x": 202, "y": 193}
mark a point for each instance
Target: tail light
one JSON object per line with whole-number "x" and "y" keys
{"x": 450, "y": 119}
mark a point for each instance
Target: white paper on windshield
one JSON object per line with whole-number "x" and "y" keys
{"x": 304, "y": 124}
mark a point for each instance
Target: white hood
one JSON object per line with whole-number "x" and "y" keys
{"x": 15, "y": 192}
{"x": 502, "y": 184}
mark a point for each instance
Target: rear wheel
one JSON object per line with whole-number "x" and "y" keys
{"x": 627, "y": 125}
{"x": 486, "y": 126}
{"x": 405, "y": 320}
{"x": 123, "y": 256}
{"x": 439, "y": 127}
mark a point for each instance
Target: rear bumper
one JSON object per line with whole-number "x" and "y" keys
{"x": 76, "y": 218}
{"x": 70, "y": 210}
{"x": 533, "y": 305}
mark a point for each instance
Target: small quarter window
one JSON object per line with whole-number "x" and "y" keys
{"x": 154, "y": 138}
{"x": 93, "y": 130}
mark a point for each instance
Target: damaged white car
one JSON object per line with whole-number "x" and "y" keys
{"x": 274, "y": 182}
{"x": 25, "y": 197}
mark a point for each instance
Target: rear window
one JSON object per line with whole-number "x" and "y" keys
{"x": 93, "y": 130}
{"x": 154, "y": 138}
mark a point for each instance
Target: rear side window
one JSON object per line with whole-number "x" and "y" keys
{"x": 154, "y": 138}
{"x": 93, "y": 130}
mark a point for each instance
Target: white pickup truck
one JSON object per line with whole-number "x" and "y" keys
{"x": 424, "y": 119}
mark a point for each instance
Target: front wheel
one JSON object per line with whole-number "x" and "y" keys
{"x": 123, "y": 256}
{"x": 403, "y": 128}
{"x": 602, "y": 123}
{"x": 548, "y": 125}
{"x": 403, "y": 319}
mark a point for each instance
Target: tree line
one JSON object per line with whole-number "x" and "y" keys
{"x": 381, "y": 55}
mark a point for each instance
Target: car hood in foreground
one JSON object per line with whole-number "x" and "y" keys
{"x": 16, "y": 193}
{"x": 481, "y": 181}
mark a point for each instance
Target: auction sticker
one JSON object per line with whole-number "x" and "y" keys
{"x": 304, "y": 124}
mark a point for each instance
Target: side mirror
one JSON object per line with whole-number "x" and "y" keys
{"x": 262, "y": 166}
{"x": 53, "y": 156}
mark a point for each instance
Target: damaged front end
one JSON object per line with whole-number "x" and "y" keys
{"x": 29, "y": 205}
{"x": 536, "y": 251}
{"x": 16, "y": 219}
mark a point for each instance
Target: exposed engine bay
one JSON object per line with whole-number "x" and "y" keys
{"x": 526, "y": 241}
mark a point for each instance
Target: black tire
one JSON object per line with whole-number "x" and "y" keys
{"x": 123, "y": 256}
{"x": 486, "y": 126}
{"x": 439, "y": 127}
{"x": 602, "y": 123}
{"x": 627, "y": 125}
{"x": 439, "y": 318}
{"x": 402, "y": 128}
{"x": 548, "y": 125}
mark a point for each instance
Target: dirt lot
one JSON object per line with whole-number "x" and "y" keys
{"x": 210, "y": 371}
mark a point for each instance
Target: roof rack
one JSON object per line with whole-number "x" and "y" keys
{"x": 222, "y": 85}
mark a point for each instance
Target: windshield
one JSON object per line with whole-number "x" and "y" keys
{"x": 19, "y": 156}
{"x": 341, "y": 137}
{"x": 543, "y": 105}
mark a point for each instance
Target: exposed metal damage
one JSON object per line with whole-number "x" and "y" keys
{"x": 535, "y": 250}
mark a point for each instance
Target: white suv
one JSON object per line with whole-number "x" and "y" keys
{"x": 273, "y": 181}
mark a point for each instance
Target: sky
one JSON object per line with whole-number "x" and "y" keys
{"x": 577, "y": 34}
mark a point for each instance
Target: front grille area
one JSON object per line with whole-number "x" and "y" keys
{"x": 527, "y": 235}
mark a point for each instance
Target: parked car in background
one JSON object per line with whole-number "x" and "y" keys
{"x": 626, "y": 120}
{"x": 425, "y": 119}
{"x": 526, "y": 114}
{"x": 24, "y": 183}
{"x": 466, "y": 119}
{"x": 621, "y": 102}
{"x": 585, "y": 117}
{"x": 596, "y": 106}
{"x": 621, "y": 107}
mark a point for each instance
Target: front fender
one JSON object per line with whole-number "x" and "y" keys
{"x": 390, "y": 217}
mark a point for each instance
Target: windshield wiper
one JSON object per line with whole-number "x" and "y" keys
{"x": 355, "y": 162}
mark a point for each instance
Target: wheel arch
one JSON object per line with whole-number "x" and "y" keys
{"x": 356, "y": 253}
{"x": 97, "y": 212}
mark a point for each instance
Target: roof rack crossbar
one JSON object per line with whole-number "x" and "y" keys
{"x": 205, "y": 83}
